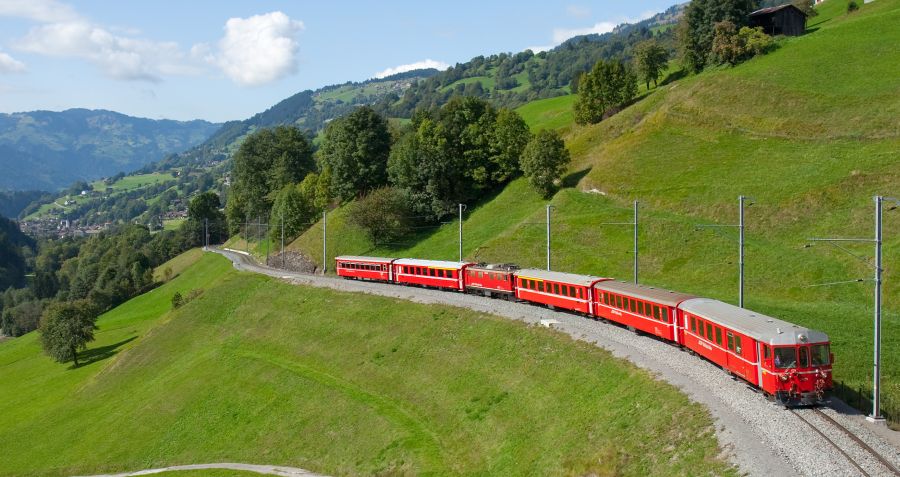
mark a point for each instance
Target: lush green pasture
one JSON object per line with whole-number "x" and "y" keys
{"x": 255, "y": 370}
{"x": 809, "y": 131}
{"x": 135, "y": 181}
{"x": 487, "y": 82}
{"x": 551, "y": 113}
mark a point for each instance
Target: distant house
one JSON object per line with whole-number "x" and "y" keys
{"x": 781, "y": 20}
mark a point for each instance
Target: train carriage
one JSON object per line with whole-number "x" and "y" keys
{"x": 491, "y": 279}
{"x": 651, "y": 310}
{"x": 557, "y": 289}
{"x": 789, "y": 362}
{"x": 365, "y": 268}
{"x": 430, "y": 273}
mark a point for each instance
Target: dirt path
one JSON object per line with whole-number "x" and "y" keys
{"x": 259, "y": 469}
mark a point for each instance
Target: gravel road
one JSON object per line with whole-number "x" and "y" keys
{"x": 761, "y": 438}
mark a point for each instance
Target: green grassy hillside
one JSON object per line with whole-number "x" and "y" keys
{"x": 255, "y": 370}
{"x": 809, "y": 131}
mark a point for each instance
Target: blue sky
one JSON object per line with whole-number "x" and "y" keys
{"x": 221, "y": 60}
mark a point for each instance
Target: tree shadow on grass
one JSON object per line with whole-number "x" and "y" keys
{"x": 93, "y": 355}
{"x": 574, "y": 178}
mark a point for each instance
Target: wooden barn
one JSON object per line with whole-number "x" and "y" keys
{"x": 781, "y": 20}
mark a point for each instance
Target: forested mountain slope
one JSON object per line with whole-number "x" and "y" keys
{"x": 50, "y": 150}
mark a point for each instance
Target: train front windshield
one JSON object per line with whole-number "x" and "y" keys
{"x": 819, "y": 355}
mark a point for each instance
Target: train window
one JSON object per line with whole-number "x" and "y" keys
{"x": 737, "y": 345}
{"x": 693, "y": 324}
{"x": 730, "y": 340}
{"x": 709, "y": 332}
{"x": 804, "y": 357}
{"x": 785, "y": 357}
{"x": 719, "y": 336}
{"x": 766, "y": 352}
{"x": 819, "y": 354}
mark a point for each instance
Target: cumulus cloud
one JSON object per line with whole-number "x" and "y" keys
{"x": 119, "y": 57}
{"x": 427, "y": 63}
{"x": 44, "y": 11}
{"x": 256, "y": 50}
{"x": 8, "y": 64}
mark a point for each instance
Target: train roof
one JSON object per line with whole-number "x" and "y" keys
{"x": 571, "y": 278}
{"x": 431, "y": 263}
{"x": 364, "y": 259}
{"x": 756, "y": 325}
{"x": 643, "y": 292}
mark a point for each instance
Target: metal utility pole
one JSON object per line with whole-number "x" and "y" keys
{"x": 461, "y": 208}
{"x": 876, "y": 375}
{"x": 206, "y": 233}
{"x": 635, "y": 225}
{"x": 876, "y": 416}
{"x": 635, "y": 242}
{"x": 324, "y": 242}
{"x": 247, "y": 235}
{"x": 282, "y": 240}
{"x": 548, "y": 236}
{"x": 740, "y": 226}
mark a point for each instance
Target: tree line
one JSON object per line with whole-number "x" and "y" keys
{"x": 406, "y": 175}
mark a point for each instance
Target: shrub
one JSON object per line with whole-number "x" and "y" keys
{"x": 177, "y": 300}
{"x": 852, "y": 6}
{"x": 384, "y": 215}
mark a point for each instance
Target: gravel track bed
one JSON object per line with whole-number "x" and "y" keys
{"x": 758, "y": 436}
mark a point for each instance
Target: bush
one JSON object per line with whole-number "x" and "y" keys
{"x": 733, "y": 46}
{"x": 384, "y": 215}
{"x": 852, "y": 6}
{"x": 177, "y": 300}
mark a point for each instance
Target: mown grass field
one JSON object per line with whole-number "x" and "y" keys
{"x": 809, "y": 131}
{"x": 255, "y": 370}
{"x": 135, "y": 181}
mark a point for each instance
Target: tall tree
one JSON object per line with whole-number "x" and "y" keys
{"x": 356, "y": 149}
{"x": 608, "y": 86}
{"x": 67, "y": 328}
{"x": 266, "y": 161}
{"x": 544, "y": 161}
{"x": 204, "y": 216}
{"x": 652, "y": 59}
{"x": 296, "y": 206}
{"x": 509, "y": 138}
{"x": 696, "y": 29}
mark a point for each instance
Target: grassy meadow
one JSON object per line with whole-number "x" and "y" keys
{"x": 255, "y": 370}
{"x": 809, "y": 131}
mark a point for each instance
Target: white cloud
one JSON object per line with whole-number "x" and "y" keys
{"x": 44, "y": 11}
{"x": 256, "y": 50}
{"x": 8, "y": 64}
{"x": 427, "y": 63}
{"x": 119, "y": 57}
{"x": 562, "y": 34}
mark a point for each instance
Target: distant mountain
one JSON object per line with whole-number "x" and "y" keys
{"x": 50, "y": 150}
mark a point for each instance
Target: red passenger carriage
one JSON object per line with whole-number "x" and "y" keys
{"x": 789, "y": 362}
{"x": 556, "y": 289}
{"x": 651, "y": 310}
{"x": 430, "y": 273}
{"x": 366, "y": 268}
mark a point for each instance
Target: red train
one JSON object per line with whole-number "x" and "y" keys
{"x": 790, "y": 363}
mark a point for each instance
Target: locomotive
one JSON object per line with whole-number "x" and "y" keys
{"x": 789, "y": 363}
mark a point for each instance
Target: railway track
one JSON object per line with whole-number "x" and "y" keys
{"x": 874, "y": 465}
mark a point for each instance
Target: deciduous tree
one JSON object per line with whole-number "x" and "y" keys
{"x": 356, "y": 149}
{"x": 544, "y": 161}
{"x": 652, "y": 59}
{"x": 67, "y": 328}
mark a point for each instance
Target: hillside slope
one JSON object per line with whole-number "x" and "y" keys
{"x": 256, "y": 370}
{"x": 50, "y": 150}
{"x": 809, "y": 131}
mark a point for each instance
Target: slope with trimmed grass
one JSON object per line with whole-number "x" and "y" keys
{"x": 256, "y": 370}
{"x": 809, "y": 131}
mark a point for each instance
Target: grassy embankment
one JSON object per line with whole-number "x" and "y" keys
{"x": 809, "y": 131}
{"x": 255, "y": 370}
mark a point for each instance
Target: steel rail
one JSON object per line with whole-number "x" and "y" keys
{"x": 833, "y": 444}
{"x": 860, "y": 442}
